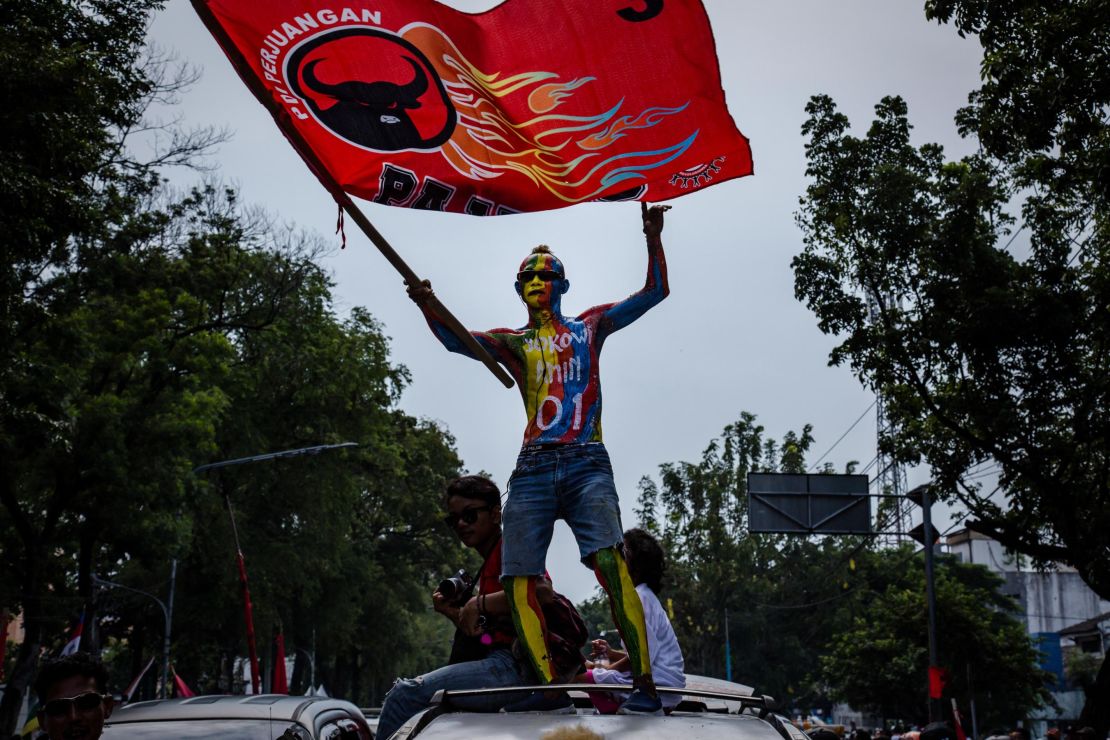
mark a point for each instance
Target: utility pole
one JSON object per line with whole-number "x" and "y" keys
{"x": 921, "y": 494}
{"x": 728, "y": 650}
{"x": 169, "y": 626}
{"x": 167, "y": 614}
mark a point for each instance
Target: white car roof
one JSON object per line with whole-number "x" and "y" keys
{"x": 683, "y": 725}
{"x": 721, "y": 717}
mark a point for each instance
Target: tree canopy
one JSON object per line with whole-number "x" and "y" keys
{"x": 877, "y": 661}
{"x": 973, "y": 294}
{"x": 147, "y": 331}
{"x": 811, "y": 620}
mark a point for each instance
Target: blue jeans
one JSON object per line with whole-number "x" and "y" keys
{"x": 410, "y": 696}
{"x": 573, "y": 482}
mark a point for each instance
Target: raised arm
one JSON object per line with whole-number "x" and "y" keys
{"x": 622, "y": 313}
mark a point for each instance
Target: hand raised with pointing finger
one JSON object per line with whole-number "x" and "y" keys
{"x": 653, "y": 218}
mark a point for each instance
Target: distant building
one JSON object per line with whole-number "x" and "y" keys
{"x": 1059, "y": 610}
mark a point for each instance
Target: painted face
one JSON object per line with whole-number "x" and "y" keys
{"x": 541, "y": 281}
{"x": 79, "y": 719}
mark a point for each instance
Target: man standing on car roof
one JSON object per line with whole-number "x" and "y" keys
{"x": 72, "y": 699}
{"x": 563, "y": 469}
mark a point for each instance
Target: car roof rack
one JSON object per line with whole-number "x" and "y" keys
{"x": 763, "y": 703}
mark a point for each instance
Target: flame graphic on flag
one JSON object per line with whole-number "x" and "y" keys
{"x": 560, "y": 153}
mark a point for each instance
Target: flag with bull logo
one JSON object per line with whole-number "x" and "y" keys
{"x": 528, "y": 106}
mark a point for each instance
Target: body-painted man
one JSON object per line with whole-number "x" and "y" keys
{"x": 563, "y": 470}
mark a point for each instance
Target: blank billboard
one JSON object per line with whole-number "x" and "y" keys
{"x": 808, "y": 504}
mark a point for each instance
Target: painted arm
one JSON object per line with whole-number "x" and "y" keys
{"x": 615, "y": 316}
{"x": 422, "y": 295}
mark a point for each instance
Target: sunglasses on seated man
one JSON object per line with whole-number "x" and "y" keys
{"x": 86, "y": 702}
{"x": 545, "y": 275}
{"x": 466, "y": 516}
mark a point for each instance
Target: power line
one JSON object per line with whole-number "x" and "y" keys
{"x": 842, "y": 436}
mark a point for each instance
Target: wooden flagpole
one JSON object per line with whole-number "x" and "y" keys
{"x": 281, "y": 118}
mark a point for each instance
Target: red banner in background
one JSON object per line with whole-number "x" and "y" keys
{"x": 938, "y": 680}
{"x": 526, "y": 107}
{"x": 181, "y": 689}
{"x": 279, "y": 683}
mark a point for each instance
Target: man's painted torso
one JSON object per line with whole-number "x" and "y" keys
{"x": 556, "y": 369}
{"x": 554, "y": 360}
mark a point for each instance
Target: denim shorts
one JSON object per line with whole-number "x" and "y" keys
{"x": 572, "y": 482}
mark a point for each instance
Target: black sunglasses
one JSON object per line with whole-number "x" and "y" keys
{"x": 81, "y": 703}
{"x": 467, "y": 516}
{"x": 526, "y": 276}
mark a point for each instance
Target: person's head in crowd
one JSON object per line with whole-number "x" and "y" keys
{"x": 1053, "y": 733}
{"x": 646, "y": 562}
{"x": 1019, "y": 733}
{"x": 473, "y": 504}
{"x": 73, "y": 698}
{"x": 822, "y": 733}
{"x": 861, "y": 734}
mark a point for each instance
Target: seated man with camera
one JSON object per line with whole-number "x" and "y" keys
{"x": 482, "y": 655}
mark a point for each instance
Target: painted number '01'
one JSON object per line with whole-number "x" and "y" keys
{"x": 558, "y": 415}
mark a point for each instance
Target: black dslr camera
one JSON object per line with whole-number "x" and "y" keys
{"x": 454, "y": 587}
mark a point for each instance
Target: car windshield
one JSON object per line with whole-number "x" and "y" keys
{"x": 225, "y": 729}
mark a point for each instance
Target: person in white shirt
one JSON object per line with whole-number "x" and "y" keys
{"x": 646, "y": 565}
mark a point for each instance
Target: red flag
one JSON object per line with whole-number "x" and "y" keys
{"x": 279, "y": 684}
{"x": 938, "y": 679}
{"x": 180, "y": 689}
{"x": 130, "y": 690}
{"x": 248, "y": 617}
{"x": 958, "y": 722}
{"x": 74, "y": 642}
{"x": 528, "y": 106}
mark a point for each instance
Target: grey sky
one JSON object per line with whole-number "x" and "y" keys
{"x": 730, "y": 337}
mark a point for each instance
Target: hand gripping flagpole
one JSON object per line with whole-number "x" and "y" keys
{"x": 341, "y": 197}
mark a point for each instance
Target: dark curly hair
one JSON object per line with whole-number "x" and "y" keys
{"x": 74, "y": 664}
{"x": 646, "y": 563}
{"x": 477, "y": 487}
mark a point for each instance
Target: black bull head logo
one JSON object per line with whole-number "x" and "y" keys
{"x": 375, "y": 114}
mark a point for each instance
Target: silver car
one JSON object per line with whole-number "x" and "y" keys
{"x": 710, "y": 708}
{"x": 258, "y": 717}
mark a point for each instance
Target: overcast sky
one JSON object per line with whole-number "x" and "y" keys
{"x": 730, "y": 338}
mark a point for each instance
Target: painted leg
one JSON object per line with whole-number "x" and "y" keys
{"x": 628, "y": 613}
{"x": 529, "y": 623}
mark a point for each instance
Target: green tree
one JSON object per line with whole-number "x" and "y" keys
{"x": 879, "y": 661}
{"x": 113, "y": 395}
{"x": 989, "y": 349}
{"x": 764, "y": 584}
{"x": 791, "y": 600}
{"x": 142, "y": 333}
